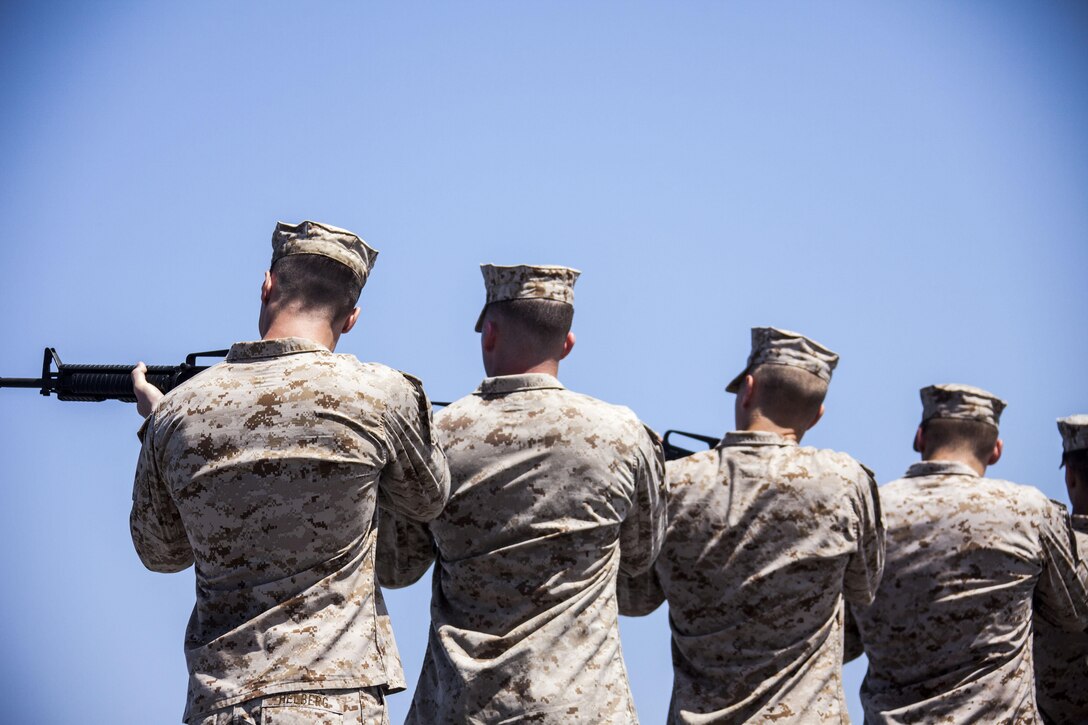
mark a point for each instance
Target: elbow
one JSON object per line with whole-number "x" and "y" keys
{"x": 166, "y": 564}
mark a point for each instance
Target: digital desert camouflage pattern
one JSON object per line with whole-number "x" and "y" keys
{"x": 771, "y": 346}
{"x": 527, "y": 282}
{"x": 327, "y": 241}
{"x": 961, "y": 402}
{"x": 321, "y": 707}
{"x": 553, "y": 493}
{"x": 1061, "y": 658}
{"x": 948, "y": 636}
{"x": 765, "y": 539}
{"x": 267, "y": 471}
{"x": 1074, "y": 431}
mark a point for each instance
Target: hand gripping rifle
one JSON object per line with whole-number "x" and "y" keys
{"x": 672, "y": 451}
{"x": 93, "y": 383}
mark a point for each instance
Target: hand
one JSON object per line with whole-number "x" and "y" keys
{"x": 147, "y": 395}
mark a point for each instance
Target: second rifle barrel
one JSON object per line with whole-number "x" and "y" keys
{"x": 20, "y": 382}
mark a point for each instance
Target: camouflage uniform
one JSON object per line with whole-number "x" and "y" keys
{"x": 1061, "y": 658}
{"x": 765, "y": 539}
{"x": 553, "y": 493}
{"x": 267, "y": 471}
{"x": 948, "y": 636}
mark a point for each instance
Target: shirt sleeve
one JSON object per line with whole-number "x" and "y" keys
{"x": 405, "y": 549}
{"x": 416, "y": 479}
{"x": 643, "y": 531}
{"x": 1061, "y": 596}
{"x": 852, "y": 645}
{"x": 155, "y": 523}
{"x": 866, "y": 565}
{"x": 639, "y": 595}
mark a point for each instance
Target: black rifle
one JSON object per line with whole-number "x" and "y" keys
{"x": 672, "y": 451}
{"x": 93, "y": 383}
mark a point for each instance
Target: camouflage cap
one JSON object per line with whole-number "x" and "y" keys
{"x": 332, "y": 242}
{"x": 771, "y": 346}
{"x": 527, "y": 282}
{"x": 962, "y": 402}
{"x": 1074, "y": 430}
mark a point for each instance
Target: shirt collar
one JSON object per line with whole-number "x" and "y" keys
{"x": 755, "y": 438}
{"x": 258, "y": 349}
{"x": 940, "y": 468}
{"x": 505, "y": 384}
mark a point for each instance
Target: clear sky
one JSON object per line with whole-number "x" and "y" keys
{"x": 905, "y": 182}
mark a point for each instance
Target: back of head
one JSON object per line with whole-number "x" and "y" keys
{"x": 313, "y": 284}
{"x": 974, "y": 438}
{"x": 536, "y": 326}
{"x": 788, "y": 396}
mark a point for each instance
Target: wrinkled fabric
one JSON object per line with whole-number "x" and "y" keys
{"x": 771, "y": 346}
{"x": 321, "y": 707}
{"x": 948, "y": 636}
{"x": 1061, "y": 658}
{"x": 765, "y": 540}
{"x": 327, "y": 241}
{"x": 267, "y": 471}
{"x": 552, "y": 494}
{"x": 961, "y": 402}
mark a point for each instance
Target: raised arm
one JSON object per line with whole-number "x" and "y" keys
{"x": 155, "y": 523}
{"x": 416, "y": 479}
{"x": 643, "y": 531}
{"x": 866, "y": 565}
{"x": 1061, "y": 596}
{"x": 412, "y": 490}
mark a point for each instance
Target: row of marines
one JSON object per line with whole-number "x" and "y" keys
{"x": 298, "y": 480}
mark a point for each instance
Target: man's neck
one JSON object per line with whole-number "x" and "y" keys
{"x": 547, "y": 367}
{"x": 956, "y": 456}
{"x": 761, "y": 424}
{"x": 303, "y": 327}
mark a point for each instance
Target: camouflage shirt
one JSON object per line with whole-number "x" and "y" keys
{"x": 1061, "y": 659}
{"x": 765, "y": 539}
{"x": 552, "y": 494}
{"x": 266, "y": 471}
{"x": 949, "y": 634}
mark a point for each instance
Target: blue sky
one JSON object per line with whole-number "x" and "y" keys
{"x": 906, "y": 183}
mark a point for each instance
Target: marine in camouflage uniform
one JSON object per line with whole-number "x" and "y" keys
{"x": 970, "y": 559}
{"x": 553, "y": 494}
{"x": 765, "y": 539}
{"x": 267, "y": 471}
{"x": 1061, "y": 658}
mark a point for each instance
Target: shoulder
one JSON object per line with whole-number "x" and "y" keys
{"x": 828, "y": 463}
{"x": 684, "y": 472}
{"x": 598, "y": 411}
{"x": 1024, "y": 496}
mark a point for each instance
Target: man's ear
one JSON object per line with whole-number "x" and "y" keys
{"x": 568, "y": 345}
{"x": 747, "y": 392}
{"x": 350, "y": 321}
{"x": 266, "y": 287}
{"x": 816, "y": 419}
{"x": 919, "y": 440}
{"x": 489, "y": 335}
{"x": 999, "y": 448}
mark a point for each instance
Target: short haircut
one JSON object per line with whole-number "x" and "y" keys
{"x": 541, "y": 323}
{"x": 787, "y": 395}
{"x": 1077, "y": 462}
{"x": 973, "y": 436}
{"x": 317, "y": 283}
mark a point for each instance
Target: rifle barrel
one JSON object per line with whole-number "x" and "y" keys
{"x": 21, "y": 382}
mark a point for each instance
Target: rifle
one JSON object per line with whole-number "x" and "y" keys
{"x": 672, "y": 451}
{"x": 94, "y": 383}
